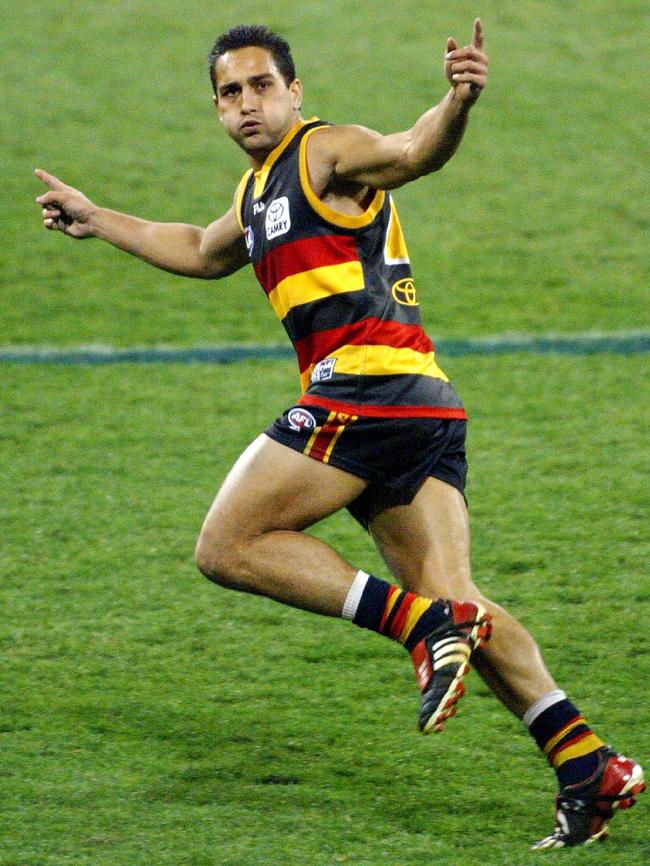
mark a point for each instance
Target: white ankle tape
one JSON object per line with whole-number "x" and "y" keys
{"x": 542, "y": 704}
{"x": 354, "y": 595}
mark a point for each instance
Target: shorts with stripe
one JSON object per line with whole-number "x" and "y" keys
{"x": 396, "y": 455}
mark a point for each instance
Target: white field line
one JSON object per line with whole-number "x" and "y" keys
{"x": 624, "y": 342}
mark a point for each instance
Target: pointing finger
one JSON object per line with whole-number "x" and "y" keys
{"x": 477, "y": 35}
{"x": 49, "y": 179}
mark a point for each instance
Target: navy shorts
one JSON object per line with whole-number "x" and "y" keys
{"x": 396, "y": 455}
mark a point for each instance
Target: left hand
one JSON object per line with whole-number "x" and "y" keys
{"x": 466, "y": 68}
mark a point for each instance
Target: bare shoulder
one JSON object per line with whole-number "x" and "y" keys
{"x": 226, "y": 229}
{"x": 327, "y": 149}
{"x": 330, "y": 142}
{"x": 223, "y": 244}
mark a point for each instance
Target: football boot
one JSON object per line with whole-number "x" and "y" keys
{"x": 583, "y": 812}
{"x": 441, "y": 661}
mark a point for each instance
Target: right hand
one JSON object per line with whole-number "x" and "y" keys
{"x": 65, "y": 209}
{"x": 467, "y": 68}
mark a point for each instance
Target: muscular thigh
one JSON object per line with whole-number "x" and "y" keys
{"x": 272, "y": 487}
{"x": 426, "y": 544}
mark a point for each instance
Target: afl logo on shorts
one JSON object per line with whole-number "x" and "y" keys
{"x": 300, "y": 419}
{"x": 278, "y": 218}
{"x": 404, "y": 292}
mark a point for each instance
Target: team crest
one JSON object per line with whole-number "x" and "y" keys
{"x": 278, "y": 218}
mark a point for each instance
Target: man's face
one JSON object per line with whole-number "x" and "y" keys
{"x": 253, "y": 100}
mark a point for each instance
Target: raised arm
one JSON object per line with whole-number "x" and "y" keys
{"x": 359, "y": 155}
{"x": 189, "y": 250}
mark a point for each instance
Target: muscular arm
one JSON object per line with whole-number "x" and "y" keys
{"x": 353, "y": 153}
{"x": 358, "y": 155}
{"x": 189, "y": 250}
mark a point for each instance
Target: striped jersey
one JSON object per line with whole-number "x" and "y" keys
{"x": 343, "y": 289}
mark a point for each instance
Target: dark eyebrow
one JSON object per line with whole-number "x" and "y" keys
{"x": 224, "y": 88}
{"x": 254, "y": 79}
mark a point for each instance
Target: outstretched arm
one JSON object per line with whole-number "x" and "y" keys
{"x": 192, "y": 251}
{"x": 352, "y": 153}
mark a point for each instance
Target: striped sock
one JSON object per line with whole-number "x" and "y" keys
{"x": 564, "y": 736}
{"x": 391, "y": 611}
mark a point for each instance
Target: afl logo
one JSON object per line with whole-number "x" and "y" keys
{"x": 278, "y": 218}
{"x": 404, "y": 292}
{"x": 300, "y": 419}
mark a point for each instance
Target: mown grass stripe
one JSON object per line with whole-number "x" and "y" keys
{"x": 580, "y": 344}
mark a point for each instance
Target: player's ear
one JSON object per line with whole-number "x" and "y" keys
{"x": 295, "y": 88}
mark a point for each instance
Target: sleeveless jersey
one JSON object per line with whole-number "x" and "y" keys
{"x": 343, "y": 289}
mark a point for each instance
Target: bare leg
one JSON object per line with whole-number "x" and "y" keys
{"x": 426, "y": 545}
{"x": 252, "y": 537}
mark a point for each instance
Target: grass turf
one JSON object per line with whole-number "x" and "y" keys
{"x": 150, "y": 717}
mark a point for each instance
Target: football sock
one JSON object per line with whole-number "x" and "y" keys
{"x": 564, "y": 736}
{"x": 391, "y": 611}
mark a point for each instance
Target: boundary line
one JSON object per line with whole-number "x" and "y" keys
{"x": 628, "y": 343}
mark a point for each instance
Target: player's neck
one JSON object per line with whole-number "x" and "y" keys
{"x": 258, "y": 157}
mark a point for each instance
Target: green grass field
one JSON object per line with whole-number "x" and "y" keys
{"x": 148, "y": 717}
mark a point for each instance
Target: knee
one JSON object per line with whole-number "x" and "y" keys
{"x": 215, "y": 561}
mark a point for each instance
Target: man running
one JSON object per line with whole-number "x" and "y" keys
{"x": 379, "y": 429}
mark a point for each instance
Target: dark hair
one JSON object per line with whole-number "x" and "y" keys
{"x": 246, "y": 35}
